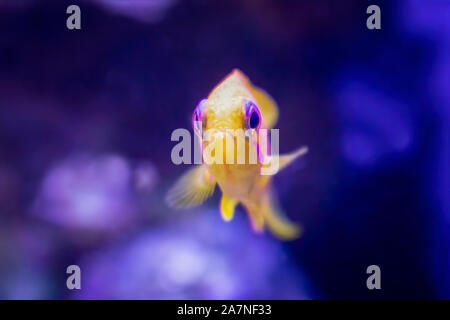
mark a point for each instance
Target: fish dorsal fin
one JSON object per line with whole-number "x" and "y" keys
{"x": 267, "y": 105}
{"x": 192, "y": 189}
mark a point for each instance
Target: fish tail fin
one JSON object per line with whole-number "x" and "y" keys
{"x": 265, "y": 212}
{"x": 255, "y": 215}
{"x": 277, "y": 222}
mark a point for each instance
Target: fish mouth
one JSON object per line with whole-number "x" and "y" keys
{"x": 214, "y": 135}
{"x": 225, "y": 146}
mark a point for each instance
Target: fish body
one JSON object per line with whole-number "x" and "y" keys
{"x": 233, "y": 105}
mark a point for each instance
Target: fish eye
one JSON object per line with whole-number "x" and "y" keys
{"x": 252, "y": 115}
{"x": 199, "y": 117}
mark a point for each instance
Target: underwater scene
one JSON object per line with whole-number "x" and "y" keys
{"x": 120, "y": 136}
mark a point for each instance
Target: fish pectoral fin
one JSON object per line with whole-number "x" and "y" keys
{"x": 284, "y": 160}
{"x": 192, "y": 189}
{"x": 277, "y": 222}
{"x": 267, "y": 105}
{"x": 227, "y": 206}
{"x": 287, "y": 159}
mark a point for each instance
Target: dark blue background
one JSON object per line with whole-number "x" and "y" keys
{"x": 372, "y": 105}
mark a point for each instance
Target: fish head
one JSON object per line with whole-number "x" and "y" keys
{"x": 228, "y": 118}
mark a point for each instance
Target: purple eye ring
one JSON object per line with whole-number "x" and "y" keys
{"x": 252, "y": 114}
{"x": 199, "y": 117}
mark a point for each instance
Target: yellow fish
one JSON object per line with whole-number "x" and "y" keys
{"x": 232, "y": 105}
